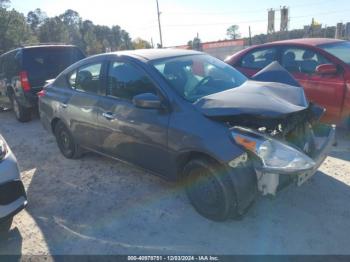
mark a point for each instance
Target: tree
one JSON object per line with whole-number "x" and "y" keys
{"x": 72, "y": 20}
{"x": 195, "y": 44}
{"x": 91, "y": 44}
{"x": 4, "y": 3}
{"x": 232, "y": 32}
{"x": 126, "y": 42}
{"x": 36, "y": 18}
{"x": 14, "y": 30}
{"x": 53, "y": 30}
{"x": 69, "y": 27}
{"x": 139, "y": 43}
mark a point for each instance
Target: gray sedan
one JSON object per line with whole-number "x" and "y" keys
{"x": 187, "y": 116}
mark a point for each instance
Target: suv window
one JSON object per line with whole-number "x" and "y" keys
{"x": 87, "y": 79}
{"x": 44, "y": 63}
{"x": 258, "y": 59}
{"x": 126, "y": 81}
{"x": 11, "y": 65}
{"x": 301, "y": 60}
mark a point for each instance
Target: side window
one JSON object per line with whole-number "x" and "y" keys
{"x": 258, "y": 59}
{"x": 87, "y": 79}
{"x": 126, "y": 81}
{"x": 302, "y": 60}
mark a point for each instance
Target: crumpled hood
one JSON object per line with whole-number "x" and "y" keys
{"x": 261, "y": 99}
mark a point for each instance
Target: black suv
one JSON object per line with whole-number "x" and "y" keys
{"x": 24, "y": 71}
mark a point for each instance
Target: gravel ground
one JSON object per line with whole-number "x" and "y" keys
{"x": 100, "y": 206}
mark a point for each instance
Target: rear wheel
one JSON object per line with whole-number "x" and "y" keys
{"x": 347, "y": 123}
{"x": 22, "y": 114}
{"x": 210, "y": 190}
{"x": 5, "y": 226}
{"x": 65, "y": 141}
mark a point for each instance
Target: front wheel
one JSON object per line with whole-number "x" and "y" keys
{"x": 347, "y": 123}
{"x": 5, "y": 226}
{"x": 210, "y": 190}
{"x": 66, "y": 143}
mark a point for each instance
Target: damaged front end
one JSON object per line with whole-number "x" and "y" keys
{"x": 286, "y": 149}
{"x": 277, "y": 126}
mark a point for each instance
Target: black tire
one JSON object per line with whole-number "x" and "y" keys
{"x": 66, "y": 143}
{"x": 22, "y": 114}
{"x": 347, "y": 123}
{"x": 5, "y": 227}
{"x": 210, "y": 190}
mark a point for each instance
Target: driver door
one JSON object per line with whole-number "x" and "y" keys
{"x": 128, "y": 132}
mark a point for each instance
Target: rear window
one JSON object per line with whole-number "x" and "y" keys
{"x": 47, "y": 63}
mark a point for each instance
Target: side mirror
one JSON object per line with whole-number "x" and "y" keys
{"x": 147, "y": 101}
{"x": 326, "y": 69}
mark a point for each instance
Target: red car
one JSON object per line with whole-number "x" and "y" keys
{"x": 322, "y": 67}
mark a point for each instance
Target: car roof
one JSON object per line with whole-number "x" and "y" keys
{"x": 154, "y": 54}
{"x": 45, "y": 46}
{"x": 308, "y": 41}
{"x": 37, "y": 46}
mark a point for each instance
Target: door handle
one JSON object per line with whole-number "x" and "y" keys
{"x": 63, "y": 105}
{"x": 108, "y": 115}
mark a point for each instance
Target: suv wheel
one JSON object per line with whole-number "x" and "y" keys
{"x": 347, "y": 123}
{"x": 5, "y": 227}
{"x": 209, "y": 190}
{"x": 22, "y": 114}
{"x": 66, "y": 142}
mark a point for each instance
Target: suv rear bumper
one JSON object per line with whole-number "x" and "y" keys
{"x": 29, "y": 100}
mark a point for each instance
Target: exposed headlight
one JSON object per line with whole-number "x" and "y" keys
{"x": 3, "y": 148}
{"x": 274, "y": 155}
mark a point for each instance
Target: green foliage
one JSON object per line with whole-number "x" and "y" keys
{"x": 69, "y": 27}
{"x": 4, "y": 3}
{"x": 139, "y": 43}
{"x": 36, "y": 18}
{"x": 14, "y": 31}
{"x": 53, "y": 30}
{"x": 195, "y": 44}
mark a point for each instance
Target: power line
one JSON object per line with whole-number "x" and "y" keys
{"x": 241, "y": 12}
{"x": 253, "y": 21}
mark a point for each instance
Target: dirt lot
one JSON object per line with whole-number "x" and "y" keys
{"x": 99, "y": 206}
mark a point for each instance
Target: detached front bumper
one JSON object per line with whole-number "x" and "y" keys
{"x": 13, "y": 197}
{"x": 269, "y": 180}
{"x": 323, "y": 149}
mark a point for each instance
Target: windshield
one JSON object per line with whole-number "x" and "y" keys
{"x": 341, "y": 50}
{"x": 196, "y": 76}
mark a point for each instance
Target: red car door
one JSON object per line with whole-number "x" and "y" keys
{"x": 325, "y": 90}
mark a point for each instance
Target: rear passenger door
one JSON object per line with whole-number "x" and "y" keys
{"x": 257, "y": 59}
{"x": 325, "y": 90}
{"x": 87, "y": 85}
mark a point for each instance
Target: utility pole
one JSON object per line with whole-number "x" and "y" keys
{"x": 160, "y": 28}
{"x": 250, "y": 37}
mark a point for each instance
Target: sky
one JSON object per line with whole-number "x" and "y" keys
{"x": 182, "y": 19}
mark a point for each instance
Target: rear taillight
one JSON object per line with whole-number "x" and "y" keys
{"x": 42, "y": 93}
{"x": 23, "y": 78}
